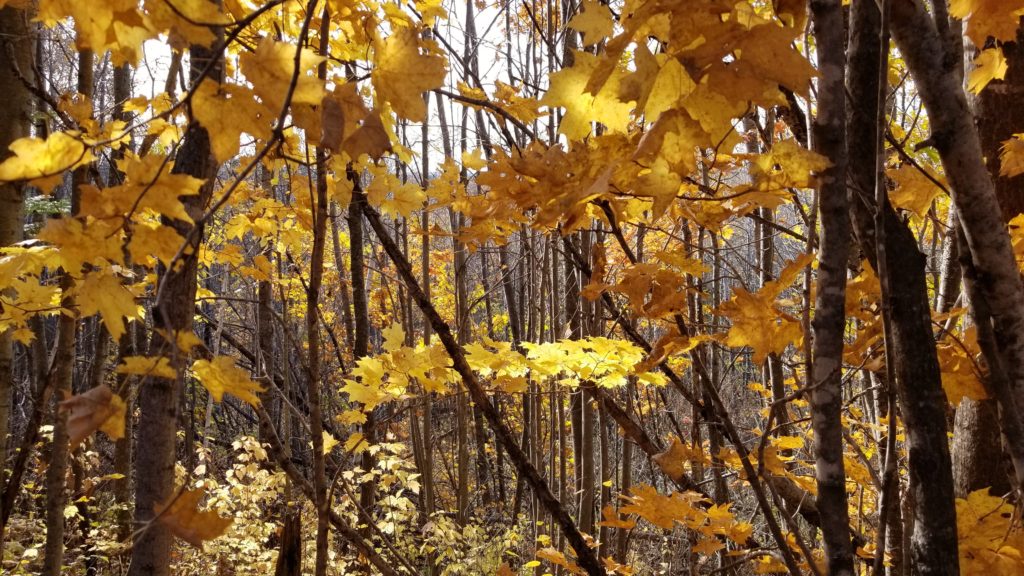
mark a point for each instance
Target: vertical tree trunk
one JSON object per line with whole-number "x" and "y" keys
{"x": 829, "y": 323}
{"x": 339, "y": 267}
{"x": 62, "y": 370}
{"x": 361, "y": 316}
{"x": 933, "y": 540}
{"x": 313, "y": 367}
{"x": 14, "y": 124}
{"x": 172, "y": 313}
{"x": 428, "y": 404}
{"x": 977, "y": 448}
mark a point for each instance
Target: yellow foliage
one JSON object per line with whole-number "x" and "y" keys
{"x": 221, "y": 376}
{"x": 102, "y": 292}
{"x": 594, "y": 21}
{"x": 155, "y": 366}
{"x": 402, "y": 73}
{"x": 1011, "y": 157}
{"x": 44, "y": 162}
{"x": 989, "y": 65}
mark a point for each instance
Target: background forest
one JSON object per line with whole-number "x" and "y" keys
{"x": 526, "y": 287}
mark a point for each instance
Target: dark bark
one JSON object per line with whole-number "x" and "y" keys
{"x": 931, "y": 59}
{"x": 173, "y": 310}
{"x": 922, "y": 401}
{"x": 826, "y": 397}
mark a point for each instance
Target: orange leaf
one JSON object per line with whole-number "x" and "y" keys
{"x": 612, "y": 520}
{"x": 183, "y": 517}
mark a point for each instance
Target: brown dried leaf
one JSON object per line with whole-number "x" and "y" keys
{"x": 332, "y": 124}
{"x": 97, "y": 409}
{"x": 371, "y": 139}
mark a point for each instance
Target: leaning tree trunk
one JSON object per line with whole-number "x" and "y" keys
{"x": 977, "y": 447}
{"x": 172, "y": 313}
{"x": 931, "y": 60}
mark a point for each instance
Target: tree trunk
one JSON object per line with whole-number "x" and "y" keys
{"x": 14, "y": 123}
{"x": 62, "y": 370}
{"x": 829, "y": 140}
{"x": 931, "y": 59}
{"x": 933, "y": 540}
{"x": 173, "y": 310}
{"x": 977, "y": 448}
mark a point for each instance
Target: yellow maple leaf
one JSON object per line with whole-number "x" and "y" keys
{"x": 403, "y": 73}
{"x": 983, "y": 18}
{"x": 149, "y": 184}
{"x": 394, "y": 337}
{"x": 151, "y": 239}
{"x": 557, "y": 558}
{"x": 595, "y": 22}
{"x": 370, "y": 138}
{"x": 707, "y": 546}
{"x": 223, "y": 375}
{"x": 568, "y": 90}
{"x": 757, "y": 321}
{"x": 522, "y": 108}
{"x": 351, "y": 417}
{"x": 182, "y": 516}
{"x": 989, "y": 65}
{"x": 670, "y": 85}
{"x": 664, "y": 511}
{"x": 796, "y": 165}
{"x": 226, "y": 111}
{"x": 913, "y": 190}
{"x": 329, "y": 442}
{"x": 369, "y": 396}
{"x": 473, "y": 160}
{"x": 270, "y": 69}
{"x": 1011, "y": 156}
{"x": 95, "y": 24}
{"x": 356, "y": 443}
{"x": 83, "y": 242}
{"x": 102, "y": 292}
{"x": 758, "y": 324}
{"x": 673, "y": 460}
{"x": 610, "y": 518}
{"x": 156, "y": 366}
{"x": 404, "y": 200}
{"x": 43, "y": 162}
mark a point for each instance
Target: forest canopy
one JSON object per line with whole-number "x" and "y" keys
{"x": 530, "y": 287}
